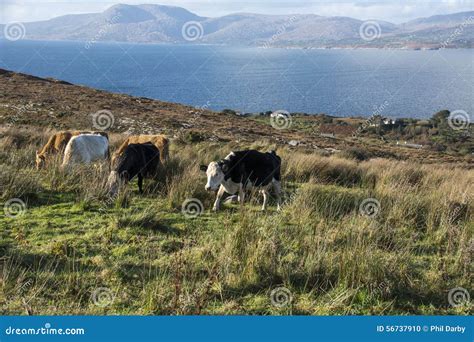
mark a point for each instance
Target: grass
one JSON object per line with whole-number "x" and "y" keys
{"x": 73, "y": 251}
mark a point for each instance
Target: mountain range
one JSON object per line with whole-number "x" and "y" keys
{"x": 167, "y": 24}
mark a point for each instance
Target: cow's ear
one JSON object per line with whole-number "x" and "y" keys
{"x": 203, "y": 168}
{"x": 124, "y": 175}
{"x": 225, "y": 167}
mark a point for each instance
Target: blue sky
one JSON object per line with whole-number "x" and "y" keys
{"x": 390, "y": 10}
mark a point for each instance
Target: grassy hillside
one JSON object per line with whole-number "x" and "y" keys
{"x": 372, "y": 237}
{"x": 27, "y": 101}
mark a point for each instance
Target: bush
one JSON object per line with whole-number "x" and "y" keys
{"x": 355, "y": 153}
{"x": 229, "y": 112}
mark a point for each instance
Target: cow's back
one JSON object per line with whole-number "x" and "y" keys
{"x": 138, "y": 158}
{"x": 254, "y": 166}
{"x": 56, "y": 143}
{"x": 102, "y": 133}
{"x": 86, "y": 148}
{"x": 160, "y": 141}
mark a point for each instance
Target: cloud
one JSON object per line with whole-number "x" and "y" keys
{"x": 390, "y": 10}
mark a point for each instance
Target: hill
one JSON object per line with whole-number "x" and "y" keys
{"x": 167, "y": 24}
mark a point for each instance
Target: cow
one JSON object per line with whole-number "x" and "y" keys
{"x": 244, "y": 170}
{"x": 140, "y": 160}
{"x": 160, "y": 141}
{"x": 56, "y": 145}
{"x": 85, "y": 149}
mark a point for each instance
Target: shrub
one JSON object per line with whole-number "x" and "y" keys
{"x": 355, "y": 153}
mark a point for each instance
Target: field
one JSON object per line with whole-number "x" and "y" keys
{"x": 377, "y": 236}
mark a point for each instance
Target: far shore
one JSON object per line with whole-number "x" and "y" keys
{"x": 263, "y": 46}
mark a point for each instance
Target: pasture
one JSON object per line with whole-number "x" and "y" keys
{"x": 72, "y": 250}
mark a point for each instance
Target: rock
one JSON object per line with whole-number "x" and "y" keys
{"x": 332, "y": 150}
{"x": 293, "y": 143}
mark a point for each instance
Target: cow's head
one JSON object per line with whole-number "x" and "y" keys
{"x": 40, "y": 160}
{"x": 215, "y": 172}
{"x": 115, "y": 182}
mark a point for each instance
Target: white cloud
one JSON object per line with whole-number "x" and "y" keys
{"x": 390, "y": 10}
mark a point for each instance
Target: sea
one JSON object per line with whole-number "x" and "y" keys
{"x": 339, "y": 82}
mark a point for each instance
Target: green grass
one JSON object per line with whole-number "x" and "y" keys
{"x": 150, "y": 259}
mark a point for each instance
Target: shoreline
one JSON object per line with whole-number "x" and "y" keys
{"x": 237, "y": 46}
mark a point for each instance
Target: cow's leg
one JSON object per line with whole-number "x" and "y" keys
{"x": 241, "y": 194}
{"x": 265, "y": 194}
{"x": 217, "y": 203}
{"x": 277, "y": 188}
{"x": 140, "y": 183}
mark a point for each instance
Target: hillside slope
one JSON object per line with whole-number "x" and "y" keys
{"x": 27, "y": 100}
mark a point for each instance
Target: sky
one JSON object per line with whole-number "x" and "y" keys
{"x": 389, "y": 10}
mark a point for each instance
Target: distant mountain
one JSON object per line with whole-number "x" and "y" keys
{"x": 168, "y": 24}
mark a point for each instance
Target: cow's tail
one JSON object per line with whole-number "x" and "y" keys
{"x": 165, "y": 150}
{"x": 108, "y": 158}
{"x": 277, "y": 165}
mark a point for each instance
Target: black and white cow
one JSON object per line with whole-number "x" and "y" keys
{"x": 244, "y": 170}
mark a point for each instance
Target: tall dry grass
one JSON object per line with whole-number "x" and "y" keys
{"x": 320, "y": 246}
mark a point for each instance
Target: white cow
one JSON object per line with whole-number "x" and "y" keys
{"x": 85, "y": 149}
